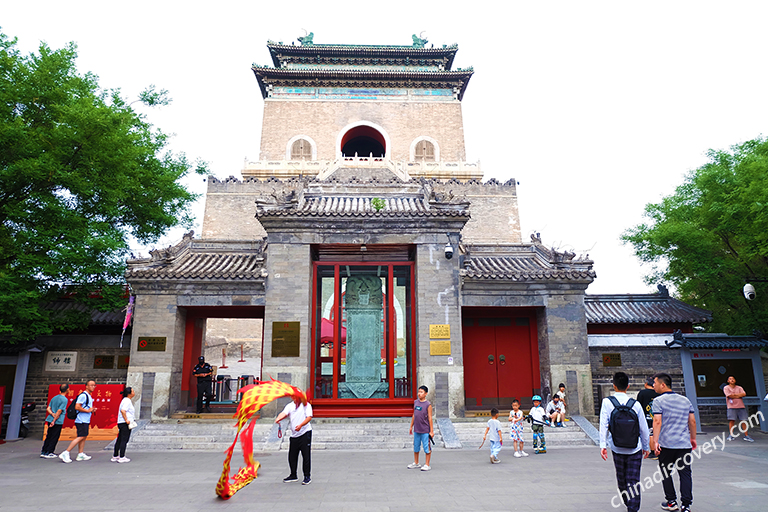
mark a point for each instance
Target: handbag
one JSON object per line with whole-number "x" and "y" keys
{"x": 132, "y": 425}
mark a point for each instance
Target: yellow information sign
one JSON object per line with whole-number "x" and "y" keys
{"x": 285, "y": 339}
{"x": 440, "y": 347}
{"x": 439, "y": 331}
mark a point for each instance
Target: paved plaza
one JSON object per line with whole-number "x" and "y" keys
{"x": 566, "y": 478}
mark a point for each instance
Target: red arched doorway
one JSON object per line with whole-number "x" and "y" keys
{"x": 363, "y": 141}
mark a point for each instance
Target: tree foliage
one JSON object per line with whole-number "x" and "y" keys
{"x": 711, "y": 237}
{"x": 81, "y": 172}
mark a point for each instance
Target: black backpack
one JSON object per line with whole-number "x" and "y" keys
{"x": 624, "y": 425}
{"x": 72, "y": 410}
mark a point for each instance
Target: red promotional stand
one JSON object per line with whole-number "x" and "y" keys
{"x": 106, "y": 399}
{"x": 2, "y": 405}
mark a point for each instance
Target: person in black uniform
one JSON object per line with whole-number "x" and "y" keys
{"x": 204, "y": 373}
{"x": 645, "y": 397}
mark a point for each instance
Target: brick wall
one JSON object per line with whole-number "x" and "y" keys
{"x": 638, "y": 363}
{"x": 323, "y": 121}
{"x": 38, "y": 379}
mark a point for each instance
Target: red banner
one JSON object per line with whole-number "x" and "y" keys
{"x": 2, "y": 406}
{"x": 106, "y": 399}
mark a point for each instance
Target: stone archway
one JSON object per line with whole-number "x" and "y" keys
{"x": 363, "y": 140}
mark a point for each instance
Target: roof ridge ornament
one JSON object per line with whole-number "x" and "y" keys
{"x": 307, "y": 39}
{"x": 170, "y": 252}
{"x": 418, "y": 42}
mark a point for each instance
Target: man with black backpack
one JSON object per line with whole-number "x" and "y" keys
{"x": 84, "y": 408}
{"x": 624, "y": 430}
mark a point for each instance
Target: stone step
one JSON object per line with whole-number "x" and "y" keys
{"x": 331, "y": 434}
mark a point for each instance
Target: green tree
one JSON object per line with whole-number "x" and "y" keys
{"x": 711, "y": 237}
{"x": 81, "y": 172}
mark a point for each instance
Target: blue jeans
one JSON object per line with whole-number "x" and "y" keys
{"x": 419, "y": 441}
{"x": 495, "y": 448}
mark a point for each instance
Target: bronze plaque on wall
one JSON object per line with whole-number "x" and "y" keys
{"x": 122, "y": 362}
{"x": 611, "y": 359}
{"x": 103, "y": 362}
{"x": 285, "y": 339}
{"x": 151, "y": 344}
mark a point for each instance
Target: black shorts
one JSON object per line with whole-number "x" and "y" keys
{"x": 82, "y": 429}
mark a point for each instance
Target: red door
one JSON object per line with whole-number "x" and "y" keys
{"x": 500, "y": 361}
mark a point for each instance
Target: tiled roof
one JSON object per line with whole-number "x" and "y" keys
{"x": 204, "y": 266}
{"x": 356, "y": 206}
{"x": 201, "y": 260}
{"x": 716, "y": 341}
{"x": 97, "y": 317}
{"x": 313, "y": 48}
{"x": 526, "y": 267}
{"x": 641, "y": 309}
{"x": 363, "y": 74}
{"x": 298, "y": 77}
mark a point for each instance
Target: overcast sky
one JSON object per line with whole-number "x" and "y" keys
{"x": 595, "y": 108}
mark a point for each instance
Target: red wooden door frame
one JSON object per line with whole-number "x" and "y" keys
{"x": 351, "y": 407}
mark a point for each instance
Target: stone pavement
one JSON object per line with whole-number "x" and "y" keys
{"x": 566, "y": 478}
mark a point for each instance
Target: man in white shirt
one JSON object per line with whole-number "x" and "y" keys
{"x": 299, "y": 413}
{"x": 626, "y": 460}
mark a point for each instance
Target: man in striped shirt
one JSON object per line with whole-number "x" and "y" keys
{"x": 674, "y": 435}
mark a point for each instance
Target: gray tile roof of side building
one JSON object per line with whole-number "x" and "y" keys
{"x": 202, "y": 260}
{"x": 523, "y": 262}
{"x": 715, "y": 341}
{"x": 642, "y": 309}
{"x": 97, "y": 317}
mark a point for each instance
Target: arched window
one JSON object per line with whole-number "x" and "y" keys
{"x": 301, "y": 149}
{"x": 424, "y": 151}
{"x": 363, "y": 141}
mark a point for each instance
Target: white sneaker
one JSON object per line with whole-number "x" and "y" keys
{"x": 83, "y": 456}
{"x": 413, "y": 465}
{"x": 114, "y": 459}
{"x": 523, "y": 453}
{"x": 64, "y": 456}
{"x": 123, "y": 459}
{"x": 517, "y": 455}
{"x": 426, "y": 468}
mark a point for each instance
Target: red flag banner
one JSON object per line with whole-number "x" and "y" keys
{"x": 254, "y": 398}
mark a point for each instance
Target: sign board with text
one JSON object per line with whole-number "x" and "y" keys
{"x": 103, "y": 362}
{"x": 61, "y": 361}
{"x": 285, "y": 339}
{"x": 151, "y": 344}
{"x": 611, "y": 359}
{"x": 439, "y": 331}
{"x": 440, "y": 347}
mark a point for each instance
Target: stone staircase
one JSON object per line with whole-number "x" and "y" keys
{"x": 470, "y": 433}
{"x": 331, "y": 434}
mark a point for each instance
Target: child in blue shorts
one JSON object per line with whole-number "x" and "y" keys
{"x": 421, "y": 428}
{"x": 494, "y": 427}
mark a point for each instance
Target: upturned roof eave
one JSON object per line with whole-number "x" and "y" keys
{"x": 415, "y": 77}
{"x": 348, "y": 50}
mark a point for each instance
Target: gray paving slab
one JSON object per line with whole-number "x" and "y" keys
{"x": 566, "y": 478}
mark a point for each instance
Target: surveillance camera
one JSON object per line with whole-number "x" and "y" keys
{"x": 448, "y": 251}
{"x": 749, "y": 292}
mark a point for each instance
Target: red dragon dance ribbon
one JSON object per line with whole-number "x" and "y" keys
{"x": 254, "y": 398}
